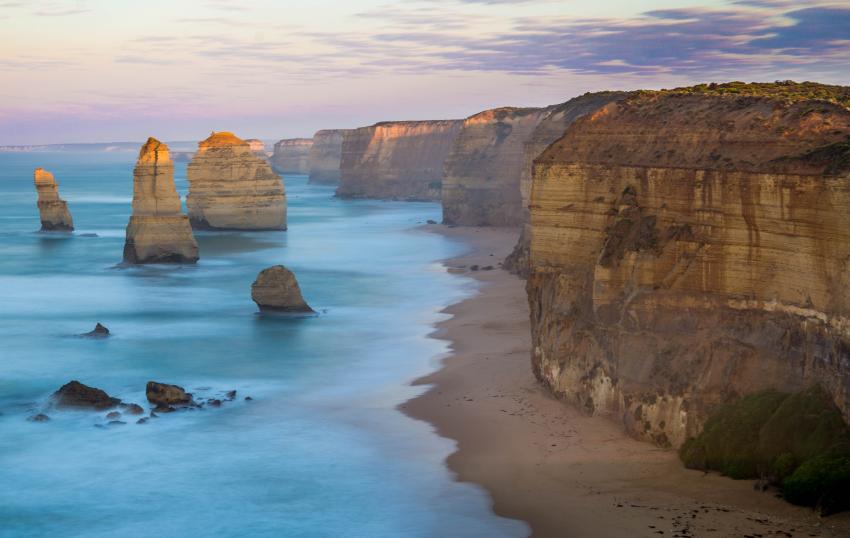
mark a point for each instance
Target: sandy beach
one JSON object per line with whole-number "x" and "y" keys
{"x": 543, "y": 461}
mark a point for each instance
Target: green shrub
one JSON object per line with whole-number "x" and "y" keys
{"x": 822, "y": 482}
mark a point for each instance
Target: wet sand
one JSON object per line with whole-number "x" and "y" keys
{"x": 542, "y": 460}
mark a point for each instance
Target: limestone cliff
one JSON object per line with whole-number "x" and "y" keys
{"x": 401, "y": 160}
{"x": 231, "y": 188}
{"x": 257, "y": 146}
{"x": 325, "y": 155}
{"x": 53, "y": 211}
{"x": 481, "y": 184}
{"x": 692, "y": 246}
{"x": 292, "y": 156}
{"x": 158, "y": 231}
{"x": 551, "y": 128}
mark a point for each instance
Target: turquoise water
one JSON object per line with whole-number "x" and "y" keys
{"x": 320, "y": 451}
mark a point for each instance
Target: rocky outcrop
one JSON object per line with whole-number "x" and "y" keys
{"x": 481, "y": 185}
{"x": 52, "y": 210}
{"x": 292, "y": 156}
{"x": 400, "y": 160}
{"x": 551, "y": 128}
{"x": 257, "y": 146}
{"x": 276, "y": 290}
{"x": 158, "y": 231}
{"x": 325, "y": 155}
{"x": 163, "y": 395}
{"x": 231, "y": 188}
{"x": 691, "y": 246}
{"x": 99, "y": 331}
{"x": 76, "y": 395}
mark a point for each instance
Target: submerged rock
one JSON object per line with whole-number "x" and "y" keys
{"x": 41, "y": 417}
{"x": 133, "y": 409}
{"x": 163, "y": 395}
{"x": 276, "y": 290}
{"x": 75, "y": 394}
{"x": 99, "y": 331}
{"x": 52, "y": 210}
{"x": 113, "y": 415}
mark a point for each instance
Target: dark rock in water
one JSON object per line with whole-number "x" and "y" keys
{"x": 161, "y": 394}
{"x": 115, "y": 423}
{"x": 75, "y": 394}
{"x": 113, "y": 415}
{"x": 248, "y": 398}
{"x": 231, "y": 395}
{"x": 99, "y": 332}
{"x": 41, "y": 417}
{"x": 487, "y": 268}
{"x": 143, "y": 420}
{"x": 163, "y": 409}
{"x": 430, "y": 221}
{"x": 276, "y": 290}
{"x": 133, "y": 409}
{"x": 88, "y": 235}
{"x": 153, "y": 415}
{"x": 214, "y": 403}
{"x": 473, "y": 268}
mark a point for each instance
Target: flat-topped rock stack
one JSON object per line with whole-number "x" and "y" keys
{"x": 398, "y": 160}
{"x": 158, "y": 231}
{"x": 53, "y": 211}
{"x": 292, "y": 156}
{"x": 231, "y": 188}
{"x": 257, "y": 146}
{"x": 325, "y": 155}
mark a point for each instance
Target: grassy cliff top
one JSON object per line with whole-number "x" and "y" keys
{"x": 787, "y": 91}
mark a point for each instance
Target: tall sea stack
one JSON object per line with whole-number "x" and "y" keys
{"x": 325, "y": 154}
{"x": 292, "y": 156}
{"x": 158, "y": 231}
{"x": 52, "y": 210}
{"x": 691, "y": 246}
{"x": 231, "y": 188}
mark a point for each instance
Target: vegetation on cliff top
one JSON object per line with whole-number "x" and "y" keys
{"x": 798, "y": 441}
{"x": 787, "y": 91}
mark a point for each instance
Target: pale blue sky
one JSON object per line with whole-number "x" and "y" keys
{"x": 109, "y": 70}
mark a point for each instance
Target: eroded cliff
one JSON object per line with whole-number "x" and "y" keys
{"x": 232, "y": 188}
{"x": 692, "y": 246}
{"x": 325, "y": 155}
{"x": 292, "y": 156}
{"x": 53, "y": 210}
{"x": 400, "y": 160}
{"x": 158, "y": 231}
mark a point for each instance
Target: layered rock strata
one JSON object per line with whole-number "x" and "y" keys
{"x": 292, "y": 156}
{"x": 158, "y": 231}
{"x": 257, "y": 146}
{"x": 396, "y": 160}
{"x": 481, "y": 184}
{"x": 551, "y": 128}
{"x": 231, "y": 188}
{"x": 691, "y": 246}
{"x": 53, "y": 211}
{"x": 277, "y": 290}
{"x": 325, "y": 155}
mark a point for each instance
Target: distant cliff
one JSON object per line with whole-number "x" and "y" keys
{"x": 481, "y": 185}
{"x": 691, "y": 246}
{"x": 325, "y": 155}
{"x": 400, "y": 160}
{"x": 292, "y": 156}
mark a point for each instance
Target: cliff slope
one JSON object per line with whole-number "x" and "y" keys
{"x": 325, "y": 155}
{"x": 292, "y": 156}
{"x": 53, "y": 211}
{"x": 232, "y": 188}
{"x": 158, "y": 231}
{"x": 691, "y": 246}
{"x": 481, "y": 184}
{"x": 400, "y": 160}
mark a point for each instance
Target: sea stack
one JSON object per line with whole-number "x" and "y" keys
{"x": 158, "y": 231}
{"x": 325, "y": 154}
{"x": 396, "y": 160}
{"x": 52, "y": 210}
{"x": 689, "y": 247}
{"x": 292, "y": 156}
{"x": 232, "y": 188}
{"x": 276, "y": 290}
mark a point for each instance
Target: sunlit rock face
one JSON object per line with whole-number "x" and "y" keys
{"x": 400, "y": 160}
{"x": 325, "y": 155}
{"x": 232, "y": 188}
{"x": 53, "y": 211}
{"x": 481, "y": 185}
{"x": 292, "y": 156}
{"x": 158, "y": 231}
{"x": 692, "y": 246}
{"x": 257, "y": 146}
{"x": 551, "y": 128}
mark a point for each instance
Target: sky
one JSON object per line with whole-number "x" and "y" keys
{"x": 122, "y": 70}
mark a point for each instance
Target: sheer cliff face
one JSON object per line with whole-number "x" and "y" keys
{"x": 325, "y": 155}
{"x": 396, "y": 160}
{"x": 551, "y": 128}
{"x": 690, "y": 248}
{"x": 52, "y": 210}
{"x": 481, "y": 185}
{"x": 292, "y": 156}
{"x": 158, "y": 231}
{"x": 231, "y": 188}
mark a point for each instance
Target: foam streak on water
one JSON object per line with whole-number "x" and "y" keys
{"x": 320, "y": 451}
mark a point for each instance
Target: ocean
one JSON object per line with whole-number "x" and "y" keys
{"x": 321, "y": 450}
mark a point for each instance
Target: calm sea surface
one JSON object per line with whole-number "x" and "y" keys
{"x": 320, "y": 451}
